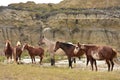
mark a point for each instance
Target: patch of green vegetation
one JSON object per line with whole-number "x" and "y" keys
{"x": 2, "y": 58}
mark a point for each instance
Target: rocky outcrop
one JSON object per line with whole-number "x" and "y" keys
{"x": 94, "y": 26}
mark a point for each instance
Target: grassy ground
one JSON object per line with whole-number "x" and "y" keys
{"x": 37, "y": 72}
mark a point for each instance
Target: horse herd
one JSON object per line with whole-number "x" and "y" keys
{"x": 16, "y": 52}
{"x": 92, "y": 52}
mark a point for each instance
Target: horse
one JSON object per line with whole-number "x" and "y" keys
{"x": 94, "y": 52}
{"x": 70, "y": 50}
{"x": 34, "y": 51}
{"x": 17, "y": 52}
{"x": 8, "y": 51}
{"x": 50, "y": 48}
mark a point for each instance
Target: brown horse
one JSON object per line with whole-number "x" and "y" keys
{"x": 38, "y": 51}
{"x": 70, "y": 50}
{"x": 94, "y": 52}
{"x": 17, "y": 52}
{"x": 50, "y": 48}
{"x": 8, "y": 51}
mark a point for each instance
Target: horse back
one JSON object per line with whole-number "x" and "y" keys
{"x": 18, "y": 50}
{"x": 38, "y": 51}
{"x": 107, "y": 52}
{"x": 101, "y": 52}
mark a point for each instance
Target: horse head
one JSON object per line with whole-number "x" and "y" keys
{"x": 57, "y": 46}
{"x": 41, "y": 41}
{"x": 18, "y": 43}
{"x": 81, "y": 46}
{"x": 24, "y": 46}
{"x": 8, "y": 43}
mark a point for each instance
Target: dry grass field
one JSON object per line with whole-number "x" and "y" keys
{"x": 39, "y": 72}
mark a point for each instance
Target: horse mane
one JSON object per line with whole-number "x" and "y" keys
{"x": 30, "y": 45}
{"x": 67, "y": 44}
{"x": 89, "y": 45}
{"x": 49, "y": 40}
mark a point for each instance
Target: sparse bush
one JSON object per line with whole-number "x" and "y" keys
{"x": 2, "y": 58}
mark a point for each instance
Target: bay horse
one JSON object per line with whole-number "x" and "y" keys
{"x": 70, "y": 50}
{"x": 17, "y": 52}
{"x": 94, "y": 52}
{"x": 34, "y": 51}
{"x": 50, "y": 48}
{"x": 8, "y": 51}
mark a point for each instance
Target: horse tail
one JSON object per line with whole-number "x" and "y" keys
{"x": 116, "y": 59}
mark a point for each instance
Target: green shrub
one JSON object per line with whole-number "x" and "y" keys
{"x": 2, "y": 58}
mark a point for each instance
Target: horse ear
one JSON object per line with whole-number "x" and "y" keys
{"x": 57, "y": 42}
{"x": 78, "y": 44}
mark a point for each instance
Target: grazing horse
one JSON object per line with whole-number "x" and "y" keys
{"x": 69, "y": 49}
{"x": 94, "y": 52}
{"x": 8, "y": 51}
{"x": 34, "y": 51}
{"x": 17, "y": 52}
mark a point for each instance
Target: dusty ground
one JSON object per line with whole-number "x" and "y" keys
{"x": 79, "y": 64}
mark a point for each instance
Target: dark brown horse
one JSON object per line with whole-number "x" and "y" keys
{"x": 8, "y": 51}
{"x": 94, "y": 52}
{"x": 17, "y": 52}
{"x": 50, "y": 48}
{"x": 70, "y": 50}
{"x": 34, "y": 51}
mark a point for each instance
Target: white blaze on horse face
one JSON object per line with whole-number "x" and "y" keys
{"x": 23, "y": 47}
{"x": 18, "y": 43}
{"x": 95, "y": 55}
{"x": 6, "y": 44}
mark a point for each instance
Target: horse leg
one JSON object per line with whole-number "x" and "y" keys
{"x": 87, "y": 62}
{"x": 79, "y": 58}
{"x": 52, "y": 59}
{"x": 95, "y": 65}
{"x": 74, "y": 60}
{"x": 7, "y": 59}
{"x": 112, "y": 63}
{"x": 91, "y": 62}
{"x": 41, "y": 57}
{"x": 16, "y": 58}
{"x": 70, "y": 62}
{"x": 10, "y": 58}
{"x": 32, "y": 59}
{"x": 107, "y": 61}
{"x": 20, "y": 58}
